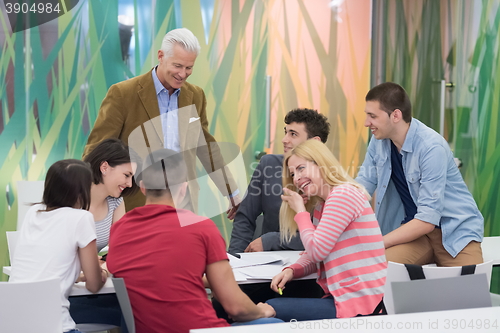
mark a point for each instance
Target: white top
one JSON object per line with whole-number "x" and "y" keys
{"x": 48, "y": 247}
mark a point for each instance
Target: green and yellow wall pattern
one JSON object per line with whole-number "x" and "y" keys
{"x": 55, "y": 76}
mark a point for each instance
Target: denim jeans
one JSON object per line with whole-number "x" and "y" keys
{"x": 302, "y": 309}
{"x": 261, "y": 292}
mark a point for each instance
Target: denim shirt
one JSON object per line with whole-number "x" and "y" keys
{"x": 435, "y": 183}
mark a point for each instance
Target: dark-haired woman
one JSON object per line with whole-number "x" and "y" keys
{"x": 57, "y": 238}
{"x": 113, "y": 173}
{"x": 112, "y": 178}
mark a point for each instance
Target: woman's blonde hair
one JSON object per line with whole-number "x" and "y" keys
{"x": 331, "y": 171}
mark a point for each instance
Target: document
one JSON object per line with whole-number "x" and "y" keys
{"x": 255, "y": 259}
{"x": 261, "y": 272}
{"x": 238, "y": 276}
{"x": 263, "y": 266}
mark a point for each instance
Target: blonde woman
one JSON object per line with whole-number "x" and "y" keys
{"x": 343, "y": 243}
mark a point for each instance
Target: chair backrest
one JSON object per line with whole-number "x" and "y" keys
{"x": 398, "y": 272}
{"x": 12, "y": 237}
{"x": 30, "y": 306}
{"x": 123, "y": 299}
{"x": 28, "y": 192}
{"x": 452, "y": 293}
{"x": 491, "y": 249}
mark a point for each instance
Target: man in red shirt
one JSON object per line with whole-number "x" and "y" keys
{"x": 163, "y": 253}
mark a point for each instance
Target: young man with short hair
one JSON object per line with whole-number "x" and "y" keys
{"x": 163, "y": 253}
{"x": 423, "y": 206}
{"x": 265, "y": 188}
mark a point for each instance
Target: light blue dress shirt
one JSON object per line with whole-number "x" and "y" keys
{"x": 435, "y": 183}
{"x": 169, "y": 114}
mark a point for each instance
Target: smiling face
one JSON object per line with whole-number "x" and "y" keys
{"x": 174, "y": 70}
{"x": 307, "y": 177}
{"x": 295, "y": 134}
{"x": 118, "y": 178}
{"x": 380, "y": 123}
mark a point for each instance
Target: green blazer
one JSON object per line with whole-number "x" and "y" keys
{"x": 130, "y": 113}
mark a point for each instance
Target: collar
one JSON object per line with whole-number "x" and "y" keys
{"x": 159, "y": 86}
{"x": 408, "y": 144}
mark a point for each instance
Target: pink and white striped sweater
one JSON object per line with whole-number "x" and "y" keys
{"x": 345, "y": 247}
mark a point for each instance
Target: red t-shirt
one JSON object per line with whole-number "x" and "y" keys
{"x": 162, "y": 258}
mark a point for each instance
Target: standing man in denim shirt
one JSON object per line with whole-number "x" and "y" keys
{"x": 423, "y": 206}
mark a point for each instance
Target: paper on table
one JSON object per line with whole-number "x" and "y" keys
{"x": 265, "y": 272}
{"x": 238, "y": 276}
{"x": 233, "y": 261}
{"x": 255, "y": 258}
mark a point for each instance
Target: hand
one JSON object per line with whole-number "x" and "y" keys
{"x": 281, "y": 279}
{"x": 255, "y": 246}
{"x": 101, "y": 262}
{"x": 81, "y": 278}
{"x": 294, "y": 200}
{"x": 104, "y": 274}
{"x": 234, "y": 203}
{"x": 304, "y": 197}
{"x": 103, "y": 265}
{"x": 104, "y": 269}
{"x": 267, "y": 310}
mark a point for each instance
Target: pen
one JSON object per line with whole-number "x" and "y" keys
{"x": 280, "y": 291}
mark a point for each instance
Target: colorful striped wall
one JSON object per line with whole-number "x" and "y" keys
{"x": 317, "y": 53}
{"x": 55, "y": 76}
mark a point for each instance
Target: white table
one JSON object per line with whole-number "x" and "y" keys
{"x": 490, "y": 246}
{"x": 79, "y": 288}
{"x": 466, "y": 320}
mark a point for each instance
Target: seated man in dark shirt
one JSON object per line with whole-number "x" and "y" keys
{"x": 264, "y": 191}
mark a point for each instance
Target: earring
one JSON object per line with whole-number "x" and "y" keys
{"x": 104, "y": 173}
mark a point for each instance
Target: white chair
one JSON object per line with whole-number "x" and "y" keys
{"x": 126, "y": 307}
{"x": 30, "y": 307}
{"x": 27, "y": 307}
{"x": 12, "y": 237}
{"x": 28, "y": 193}
{"x": 398, "y": 272}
